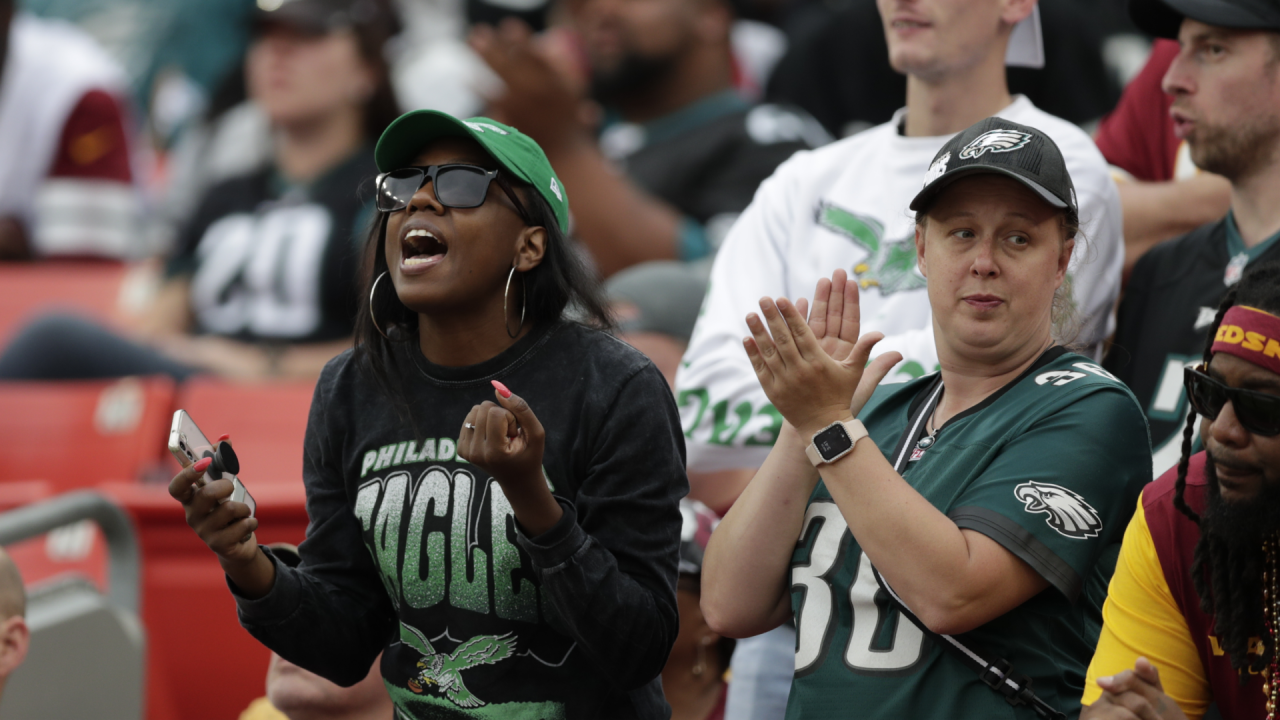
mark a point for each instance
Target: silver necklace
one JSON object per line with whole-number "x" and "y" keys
{"x": 927, "y": 441}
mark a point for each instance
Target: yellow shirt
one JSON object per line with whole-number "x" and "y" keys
{"x": 262, "y": 709}
{"x": 1141, "y": 619}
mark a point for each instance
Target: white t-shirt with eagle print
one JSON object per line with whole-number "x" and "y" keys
{"x": 846, "y": 206}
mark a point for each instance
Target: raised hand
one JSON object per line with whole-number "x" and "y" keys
{"x": 540, "y": 96}
{"x": 506, "y": 440}
{"x": 800, "y": 376}
{"x": 223, "y": 525}
{"x": 835, "y": 315}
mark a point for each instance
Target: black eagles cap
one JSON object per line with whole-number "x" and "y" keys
{"x": 1003, "y": 147}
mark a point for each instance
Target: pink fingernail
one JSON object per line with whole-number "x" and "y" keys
{"x": 202, "y": 465}
{"x": 222, "y": 438}
{"x": 502, "y": 389}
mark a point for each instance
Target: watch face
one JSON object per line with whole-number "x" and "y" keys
{"x": 832, "y": 441}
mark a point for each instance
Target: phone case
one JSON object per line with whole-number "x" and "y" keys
{"x": 188, "y": 444}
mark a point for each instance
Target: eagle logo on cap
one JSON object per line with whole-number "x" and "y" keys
{"x": 1068, "y": 512}
{"x": 996, "y": 141}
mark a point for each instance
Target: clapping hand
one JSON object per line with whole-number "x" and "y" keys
{"x": 1135, "y": 694}
{"x": 816, "y": 372}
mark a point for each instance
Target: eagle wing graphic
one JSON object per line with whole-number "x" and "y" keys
{"x": 461, "y": 696}
{"x": 1074, "y": 517}
{"x": 898, "y": 271}
{"x": 863, "y": 231}
{"x": 412, "y": 637}
{"x": 482, "y": 650}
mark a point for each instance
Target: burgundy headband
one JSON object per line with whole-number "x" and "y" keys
{"x": 1250, "y": 334}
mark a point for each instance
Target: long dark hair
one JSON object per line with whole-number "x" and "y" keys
{"x": 560, "y": 286}
{"x": 1227, "y": 582}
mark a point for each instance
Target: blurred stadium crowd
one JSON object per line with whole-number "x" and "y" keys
{"x": 185, "y": 184}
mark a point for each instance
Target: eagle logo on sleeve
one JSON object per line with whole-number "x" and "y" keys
{"x": 996, "y": 141}
{"x": 1068, "y": 512}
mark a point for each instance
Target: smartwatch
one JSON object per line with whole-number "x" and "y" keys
{"x": 835, "y": 441}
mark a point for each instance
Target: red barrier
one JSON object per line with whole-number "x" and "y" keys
{"x": 201, "y": 665}
{"x": 266, "y": 422}
{"x": 88, "y": 288}
{"x": 76, "y": 434}
{"x": 59, "y": 436}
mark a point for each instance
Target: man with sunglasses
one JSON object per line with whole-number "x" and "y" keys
{"x": 1191, "y": 613}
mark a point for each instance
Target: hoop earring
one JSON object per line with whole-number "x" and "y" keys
{"x": 524, "y": 305}
{"x": 373, "y": 290}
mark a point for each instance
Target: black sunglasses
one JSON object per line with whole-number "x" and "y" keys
{"x": 456, "y": 186}
{"x": 1258, "y": 412}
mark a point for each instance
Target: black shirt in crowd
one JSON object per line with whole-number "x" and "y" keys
{"x": 415, "y": 551}
{"x": 708, "y": 158}
{"x": 1169, "y": 305}
{"x": 270, "y": 261}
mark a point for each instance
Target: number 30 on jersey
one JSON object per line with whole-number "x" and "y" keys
{"x": 880, "y": 639}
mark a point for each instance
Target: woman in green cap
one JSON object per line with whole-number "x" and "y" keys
{"x": 514, "y": 555}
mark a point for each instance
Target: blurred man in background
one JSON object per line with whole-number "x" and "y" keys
{"x": 1074, "y": 82}
{"x": 692, "y": 150}
{"x": 1162, "y": 191}
{"x": 1225, "y": 83}
{"x": 14, "y": 634}
{"x": 66, "y": 184}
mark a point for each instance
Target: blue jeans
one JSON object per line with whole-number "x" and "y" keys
{"x": 66, "y": 347}
{"x": 763, "y": 667}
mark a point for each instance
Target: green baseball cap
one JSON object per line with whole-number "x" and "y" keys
{"x": 517, "y": 153}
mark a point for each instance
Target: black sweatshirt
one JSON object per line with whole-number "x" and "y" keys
{"x": 413, "y": 550}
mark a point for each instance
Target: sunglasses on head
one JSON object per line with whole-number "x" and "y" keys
{"x": 1258, "y": 412}
{"x": 456, "y": 186}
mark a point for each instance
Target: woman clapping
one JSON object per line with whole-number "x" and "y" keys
{"x": 988, "y": 496}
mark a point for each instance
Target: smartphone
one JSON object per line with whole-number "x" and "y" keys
{"x": 188, "y": 445}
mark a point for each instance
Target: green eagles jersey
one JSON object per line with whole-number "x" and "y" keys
{"x": 1050, "y": 467}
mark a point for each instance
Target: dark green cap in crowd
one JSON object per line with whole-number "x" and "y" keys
{"x": 517, "y": 153}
